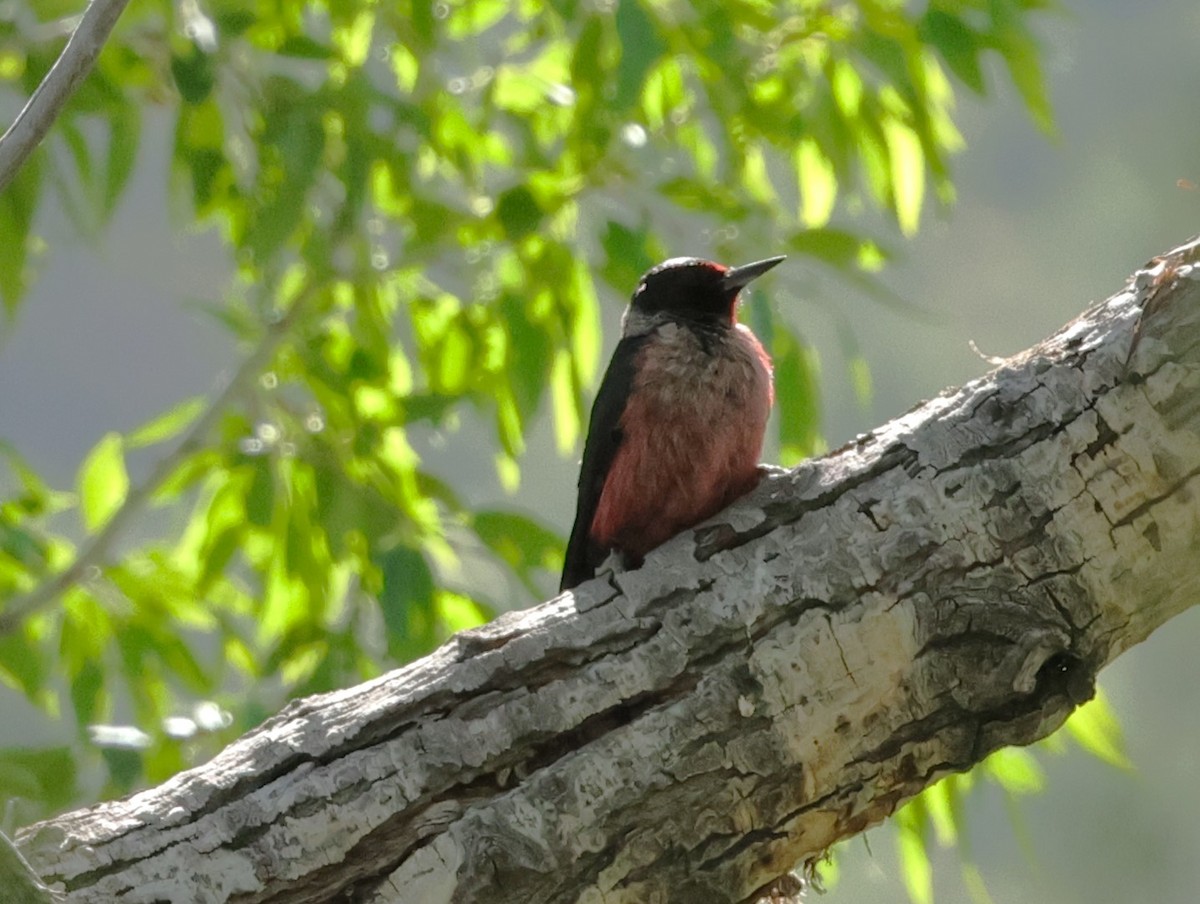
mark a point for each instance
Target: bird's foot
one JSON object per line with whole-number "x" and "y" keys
{"x": 614, "y": 564}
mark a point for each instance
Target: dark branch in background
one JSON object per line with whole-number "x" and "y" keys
{"x": 67, "y": 73}
{"x": 96, "y": 551}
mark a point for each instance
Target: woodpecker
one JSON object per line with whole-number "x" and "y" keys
{"x": 677, "y": 427}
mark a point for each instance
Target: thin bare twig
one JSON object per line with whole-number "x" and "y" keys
{"x": 96, "y": 551}
{"x": 21, "y": 884}
{"x": 68, "y": 71}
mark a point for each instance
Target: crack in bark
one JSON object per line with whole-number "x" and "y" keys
{"x": 1173, "y": 490}
{"x": 777, "y": 514}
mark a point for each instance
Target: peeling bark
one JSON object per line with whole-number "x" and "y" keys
{"x": 769, "y": 683}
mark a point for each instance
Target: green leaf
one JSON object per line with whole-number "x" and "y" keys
{"x": 628, "y": 254}
{"x": 36, "y": 497}
{"x": 915, "y": 867}
{"x": 529, "y": 355}
{"x": 166, "y": 425}
{"x": 1095, "y": 727}
{"x": 941, "y": 801}
{"x": 958, "y": 45}
{"x": 584, "y": 326}
{"x": 407, "y": 602}
{"x": 818, "y": 183}
{"x": 796, "y": 379}
{"x": 857, "y": 367}
{"x": 470, "y": 19}
{"x": 287, "y": 606}
{"x": 664, "y": 92}
{"x": 521, "y": 543}
{"x": 1016, "y": 770}
{"x": 217, "y": 529}
{"x": 305, "y": 48}
{"x": 1020, "y": 52}
{"x": 907, "y": 174}
{"x": 193, "y": 74}
{"x": 87, "y": 631}
{"x": 641, "y": 48}
{"x": 458, "y": 612}
{"x": 567, "y": 415}
{"x": 518, "y": 212}
{"x": 835, "y": 247}
{"x": 260, "y": 495}
{"x": 18, "y": 204}
{"x": 47, "y": 776}
{"x": 354, "y": 39}
{"x": 124, "y": 128}
{"x": 103, "y": 482}
{"x": 23, "y": 662}
{"x": 292, "y": 143}
{"x": 125, "y": 768}
{"x": 77, "y": 144}
{"x": 509, "y": 425}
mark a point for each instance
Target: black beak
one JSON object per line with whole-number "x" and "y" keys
{"x": 737, "y": 277}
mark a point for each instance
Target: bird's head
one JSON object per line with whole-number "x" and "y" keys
{"x": 695, "y": 290}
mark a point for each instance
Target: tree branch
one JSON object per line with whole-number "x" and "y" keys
{"x": 95, "y": 553}
{"x": 67, "y": 73}
{"x": 767, "y": 684}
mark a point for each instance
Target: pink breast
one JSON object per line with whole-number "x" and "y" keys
{"x": 692, "y": 440}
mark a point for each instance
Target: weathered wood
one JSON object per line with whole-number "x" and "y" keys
{"x": 772, "y": 682}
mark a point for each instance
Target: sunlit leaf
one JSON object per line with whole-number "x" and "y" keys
{"x": 907, "y": 173}
{"x": 103, "y": 481}
{"x": 818, "y": 183}
{"x": 458, "y": 612}
{"x": 354, "y": 39}
{"x": 476, "y": 17}
{"x": 585, "y": 326}
{"x": 958, "y": 45}
{"x": 915, "y": 867}
{"x": 567, "y": 418}
{"x": 166, "y": 425}
{"x": 1016, "y": 770}
{"x": 1094, "y": 725}
{"x": 940, "y": 804}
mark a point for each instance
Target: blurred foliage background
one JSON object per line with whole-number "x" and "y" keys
{"x": 403, "y": 234}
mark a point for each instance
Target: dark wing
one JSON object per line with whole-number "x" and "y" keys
{"x": 603, "y": 440}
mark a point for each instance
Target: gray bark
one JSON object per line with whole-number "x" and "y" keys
{"x": 775, "y": 680}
